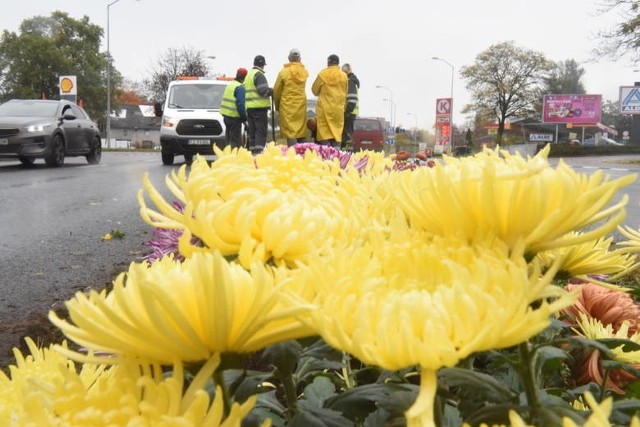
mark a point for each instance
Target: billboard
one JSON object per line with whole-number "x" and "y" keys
{"x": 571, "y": 108}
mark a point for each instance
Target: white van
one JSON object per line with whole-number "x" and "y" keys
{"x": 191, "y": 119}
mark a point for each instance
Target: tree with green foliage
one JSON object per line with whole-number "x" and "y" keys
{"x": 45, "y": 48}
{"x": 565, "y": 77}
{"x": 611, "y": 116}
{"x": 468, "y": 138}
{"x": 172, "y": 63}
{"x": 506, "y": 82}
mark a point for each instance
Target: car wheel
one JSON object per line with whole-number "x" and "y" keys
{"x": 27, "y": 161}
{"x": 167, "y": 158}
{"x": 188, "y": 158}
{"x": 95, "y": 155}
{"x": 55, "y": 156}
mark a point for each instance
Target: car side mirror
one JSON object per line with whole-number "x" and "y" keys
{"x": 157, "y": 109}
{"x": 68, "y": 116}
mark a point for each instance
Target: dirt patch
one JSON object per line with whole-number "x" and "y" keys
{"x": 35, "y": 325}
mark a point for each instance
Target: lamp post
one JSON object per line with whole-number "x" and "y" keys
{"x": 392, "y": 110}
{"x": 391, "y": 104}
{"x": 111, "y": 3}
{"x": 435, "y": 58}
{"x": 212, "y": 58}
{"x": 415, "y": 128}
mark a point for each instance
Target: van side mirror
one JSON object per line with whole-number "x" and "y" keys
{"x": 157, "y": 109}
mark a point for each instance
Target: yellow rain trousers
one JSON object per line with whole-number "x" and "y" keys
{"x": 290, "y": 100}
{"x": 331, "y": 89}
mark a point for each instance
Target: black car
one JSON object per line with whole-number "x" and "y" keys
{"x": 47, "y": 129}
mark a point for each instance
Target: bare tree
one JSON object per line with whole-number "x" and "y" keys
{"x": 624, "y": 38}
{"x": 505, "y": 82}
{"x": 174, "y": 62}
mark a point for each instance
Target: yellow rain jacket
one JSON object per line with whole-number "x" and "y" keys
{"x": 290, "y": 100}
{"x": 331, "y": 89}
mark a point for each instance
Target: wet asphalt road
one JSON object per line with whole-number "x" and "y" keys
{"x": 51, "y": 224}
{"x": 52, "y": 221}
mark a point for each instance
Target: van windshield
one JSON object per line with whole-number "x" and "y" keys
{"x": 196, "y": 96}
{"x": 367, "y": 125}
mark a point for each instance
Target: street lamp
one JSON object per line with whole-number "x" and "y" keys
{"x": 415, "y": 128}
{"x": 212, "y": 58}
{"x": 111, "y": 3}
{"x": 392, "y": 110}
{"x": 390, "y": 103}
{"x": 435, "y": 58}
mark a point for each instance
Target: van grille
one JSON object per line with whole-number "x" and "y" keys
{"x": 199, "y": 127}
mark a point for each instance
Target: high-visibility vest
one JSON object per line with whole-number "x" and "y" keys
{"x": 353, "y": 97}
{"x": 252, "y": 97}
{"x": 228, "y": 105}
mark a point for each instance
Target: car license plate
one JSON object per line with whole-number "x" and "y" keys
{"x": 367, "y": 142}
{"x": 4, "y": 141}
{"x": 198, "y": 142}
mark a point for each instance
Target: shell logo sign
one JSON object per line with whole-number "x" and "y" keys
{"x": 68, "y": 85}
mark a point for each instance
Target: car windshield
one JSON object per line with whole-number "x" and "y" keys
{"x": 371, "y": 125}
{"x": 196, "y": 96}
{"x": 28, "y": 109}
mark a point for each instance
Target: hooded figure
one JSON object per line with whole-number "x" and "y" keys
{"x": 290, "y": 98}
{"x": 331, "y": 89}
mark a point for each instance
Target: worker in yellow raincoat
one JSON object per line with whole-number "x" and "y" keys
{"x": 331, "y": 89}
{"x": 290, "y": 99}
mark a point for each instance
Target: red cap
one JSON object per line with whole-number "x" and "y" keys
{"x": 242, "y": 72}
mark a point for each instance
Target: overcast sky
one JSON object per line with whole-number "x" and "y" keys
{"x": 388, "y": 43}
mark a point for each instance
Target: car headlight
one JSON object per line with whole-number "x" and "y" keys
{"x": 40, "y": 127}
{"x": 169, "y": 122}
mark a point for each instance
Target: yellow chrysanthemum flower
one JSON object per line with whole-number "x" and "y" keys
{"x": 186, "y": 311}
{"x": 599, "y": 414}
{"x": 594, "y": 329}
{"x": 633, "y": 243}
{"x": 498, "y": 194}
{"x": 46, "y": 389}
{"x": 430, "y": 304}
{"x": 594, "y": 257}
{"x": 277, "y": 207}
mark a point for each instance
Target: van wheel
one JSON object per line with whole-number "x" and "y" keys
{"x": 167, "y": 158}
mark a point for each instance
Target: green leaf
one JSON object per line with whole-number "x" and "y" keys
{"x": 284, "y": 356}
{"x": 627, "y": 345}
{"x": 633, "y": 390}
{"x": 317, "y": 392}
{"x": 485, "y": 385}
{"x": 359, "y": 402}
{"x": 268, "y": 406}
{"x": 308, "y": 417}
{"x": 494, "y": 414}
{"x": 548, "y": 356}
{"x": 244, "y": 384}
{"x": 309, "y": 367}
{"x": 623, "y": 410}
{"x": 321, "y": 350}
{"x": 586, "y": 343}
